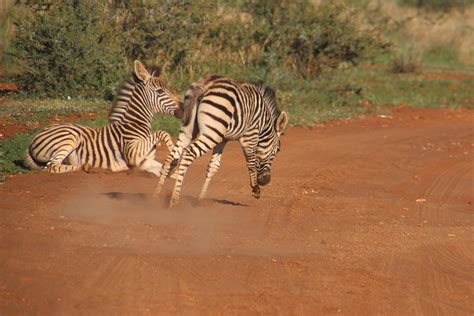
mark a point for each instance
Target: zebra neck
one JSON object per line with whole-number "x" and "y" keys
{"x": 139, "y": 113}
{"x": 137, "y": 118}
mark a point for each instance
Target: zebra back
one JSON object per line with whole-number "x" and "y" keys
{"x": 193, "y": 95}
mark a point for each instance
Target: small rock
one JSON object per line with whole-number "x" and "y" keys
{"x": 420, "y": 200}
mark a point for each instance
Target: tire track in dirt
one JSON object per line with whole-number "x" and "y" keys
{"x": 446, "y": 265}
{"x": 445, "y": 185}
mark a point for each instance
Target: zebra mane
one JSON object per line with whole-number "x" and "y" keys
{"x": 269, "y": 96}
{"x": 124, "y": 94}
{"x": 120, "y": 105}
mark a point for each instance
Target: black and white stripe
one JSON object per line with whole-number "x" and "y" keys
{"x": 219, "y": 109}
{"x": 128, "y": 141}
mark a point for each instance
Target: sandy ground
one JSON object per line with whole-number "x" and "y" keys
{"x": 365, "y": 216}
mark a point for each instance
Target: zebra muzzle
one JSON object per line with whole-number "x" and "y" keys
{"x": 178, "y": 113}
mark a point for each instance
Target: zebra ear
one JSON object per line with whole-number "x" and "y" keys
{"x": 140, "y": 71}
{"x": 281, "y": 122}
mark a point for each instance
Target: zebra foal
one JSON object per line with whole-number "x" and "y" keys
{"x": 219, "y": 109}
{"x": 127, "y": 141}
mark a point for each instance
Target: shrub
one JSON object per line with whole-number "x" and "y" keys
{"x": 310, "y": 39}
{"x": 246, "y": 39}
{"x": 162, "y": 33}
{"x": 404, "y": 60}
{"x": 68, "y": 48}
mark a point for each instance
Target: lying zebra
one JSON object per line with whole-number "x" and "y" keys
{"x": 128, "y": 141}
{"x": 219, "y": 109}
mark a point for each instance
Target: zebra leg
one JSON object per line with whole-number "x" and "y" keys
{"x": 55, "y": 164}
{"x": 183, "y": 141}
{"x": 74, "y": 160}
{"x": 190, "y": 153}
{"x": 151, "y": 165}
{"x": 212, "y": 168}
{"x": 166, "y": 138}
{"x": 252, "y": 167}
{"x": 141, "y": 154}
{"x": 172, "y": 159}
{"x": 248, "y": 145}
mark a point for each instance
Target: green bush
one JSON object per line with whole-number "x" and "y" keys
{"x": 81, "y": 48}
{"x": 68, "y": 48}
{"x": 310, "y": 39}
{"x": 163, "y": 33}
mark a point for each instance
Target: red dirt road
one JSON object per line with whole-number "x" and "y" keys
{"x": 339, "y": 230}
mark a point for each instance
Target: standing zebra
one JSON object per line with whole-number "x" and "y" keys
{"x": 218, "y": 109}
{"x": 128, "y": 141}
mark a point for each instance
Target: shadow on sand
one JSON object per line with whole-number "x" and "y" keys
{"x": 142, "y": 197}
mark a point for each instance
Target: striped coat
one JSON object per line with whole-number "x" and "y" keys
{"x": 219, "y": 109}
{"x": 128, "y": 141}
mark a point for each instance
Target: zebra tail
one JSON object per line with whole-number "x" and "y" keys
{"x": 192, "y": 99}
{"x": 31, "y": 163}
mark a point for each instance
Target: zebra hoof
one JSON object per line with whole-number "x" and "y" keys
{"x": 173, "y": 203}
{"x": 87, "y": 167}
{"x": 256, "y": 192}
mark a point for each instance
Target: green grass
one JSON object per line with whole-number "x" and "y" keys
{"x": 27, "y": 110}
{"x": 420, "y": 90}
{"x": 441, "y": 54}
{"x": 424, "y": 93}
{"x": 332, "y": 98}
{"x": 12, "y": 152}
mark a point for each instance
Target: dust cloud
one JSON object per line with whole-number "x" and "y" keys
{"x": 140, "y": 224}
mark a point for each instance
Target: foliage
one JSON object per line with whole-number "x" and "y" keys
{"x": 81, "y": 48}
{"x": 68, "y": 48}
{"x": 162, "y": 33}
{"x": 309, "y": 39}
{"x": 439, "y": 5}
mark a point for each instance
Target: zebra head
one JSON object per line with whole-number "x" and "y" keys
{"x": 268, "y": 147}
{"x": 154, "y": 94}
